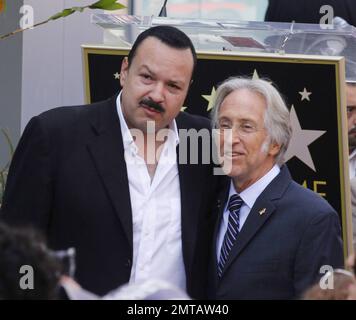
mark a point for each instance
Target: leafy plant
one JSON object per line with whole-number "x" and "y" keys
{"x": 101, "y": 4}
{"x": 4, "y": 171}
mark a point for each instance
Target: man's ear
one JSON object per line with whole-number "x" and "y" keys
{"x": 124, "y": 71}
{"x": 274, "y": 149}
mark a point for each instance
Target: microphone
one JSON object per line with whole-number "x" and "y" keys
{"x": 163, "y": 12}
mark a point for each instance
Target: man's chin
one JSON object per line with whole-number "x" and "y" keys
{"x": 231, "y": 170}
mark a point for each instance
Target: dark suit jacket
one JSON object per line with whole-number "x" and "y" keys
{"x": 68, "y": 177}
{"x": 278, "y": 254}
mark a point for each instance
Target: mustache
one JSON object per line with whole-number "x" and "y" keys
{"x": 154, "y": 105}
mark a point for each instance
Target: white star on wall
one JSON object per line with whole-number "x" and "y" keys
{"x": 305, "y": 94}
{"x": 210, "y": 97}
{"x": 255, "y": 75}
{"x": 300, "y": 141}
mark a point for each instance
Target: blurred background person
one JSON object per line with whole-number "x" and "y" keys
{"x": 351, "y": 121}
{"x": 24, "y": 247}
{"x": 152, "y": 289}
{"x": 342, "y": 282}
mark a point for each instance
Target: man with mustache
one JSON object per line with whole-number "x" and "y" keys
{"x": 104, "y": 180}
{"x": 272, "y": 235}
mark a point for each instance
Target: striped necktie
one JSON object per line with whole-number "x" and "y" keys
{"x": 235, "y": 203}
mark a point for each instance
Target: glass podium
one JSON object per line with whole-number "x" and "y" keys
{"x": 338, "y": 39}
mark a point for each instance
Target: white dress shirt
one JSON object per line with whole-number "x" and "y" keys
{"x": 156, "y": 211}
{"x": 249, "y": 197}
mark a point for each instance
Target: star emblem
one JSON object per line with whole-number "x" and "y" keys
{"x": 305, "y": 94}
{"x": 255, "y": 75}
{"x": 210, "y": 97}
{"x": 117, "y": 76}
{"x": 300, "y": 140}
{"x": 183, "y": 108}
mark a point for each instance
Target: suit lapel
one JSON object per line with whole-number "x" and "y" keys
{"x": 262, "y": 210}
{"x": 252, "y": 225}
{"x": 189, "y": 209}
{"x": 219, "y": 211}
{"x": 107, "y": 152}
{"x": 191, "y": 191}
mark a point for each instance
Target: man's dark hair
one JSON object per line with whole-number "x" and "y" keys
{"x": 19, "y": 247}
{"x": 170, "y": 36}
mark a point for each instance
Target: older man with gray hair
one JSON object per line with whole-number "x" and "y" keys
{"x": 272, "y": 235}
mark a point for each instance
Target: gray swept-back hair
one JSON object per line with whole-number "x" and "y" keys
{"x": 276, "y": 118}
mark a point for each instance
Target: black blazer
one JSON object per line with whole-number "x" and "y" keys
{"x": 278, "y": 254}
{"x": 68, "y": 178}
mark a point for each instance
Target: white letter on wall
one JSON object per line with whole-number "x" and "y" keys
{"x": 27, "y": 20}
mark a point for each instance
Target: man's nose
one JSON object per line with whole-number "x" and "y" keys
{"x": 157, "y": 92}
{"x": 236, "y": 134}
{"x": 232, "y": 136}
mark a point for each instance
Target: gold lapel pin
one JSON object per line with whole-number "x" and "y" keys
{"x": 262, "y": 211}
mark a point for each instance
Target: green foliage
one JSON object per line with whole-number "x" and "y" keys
{"x": 4, "y": 171}
{"x": 62, "y": 14}
{"x": 101, "y": 4}
{"x": 107, "y": 5}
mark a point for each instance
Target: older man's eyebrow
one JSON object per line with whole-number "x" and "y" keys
{"x": 224, "y": 119}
